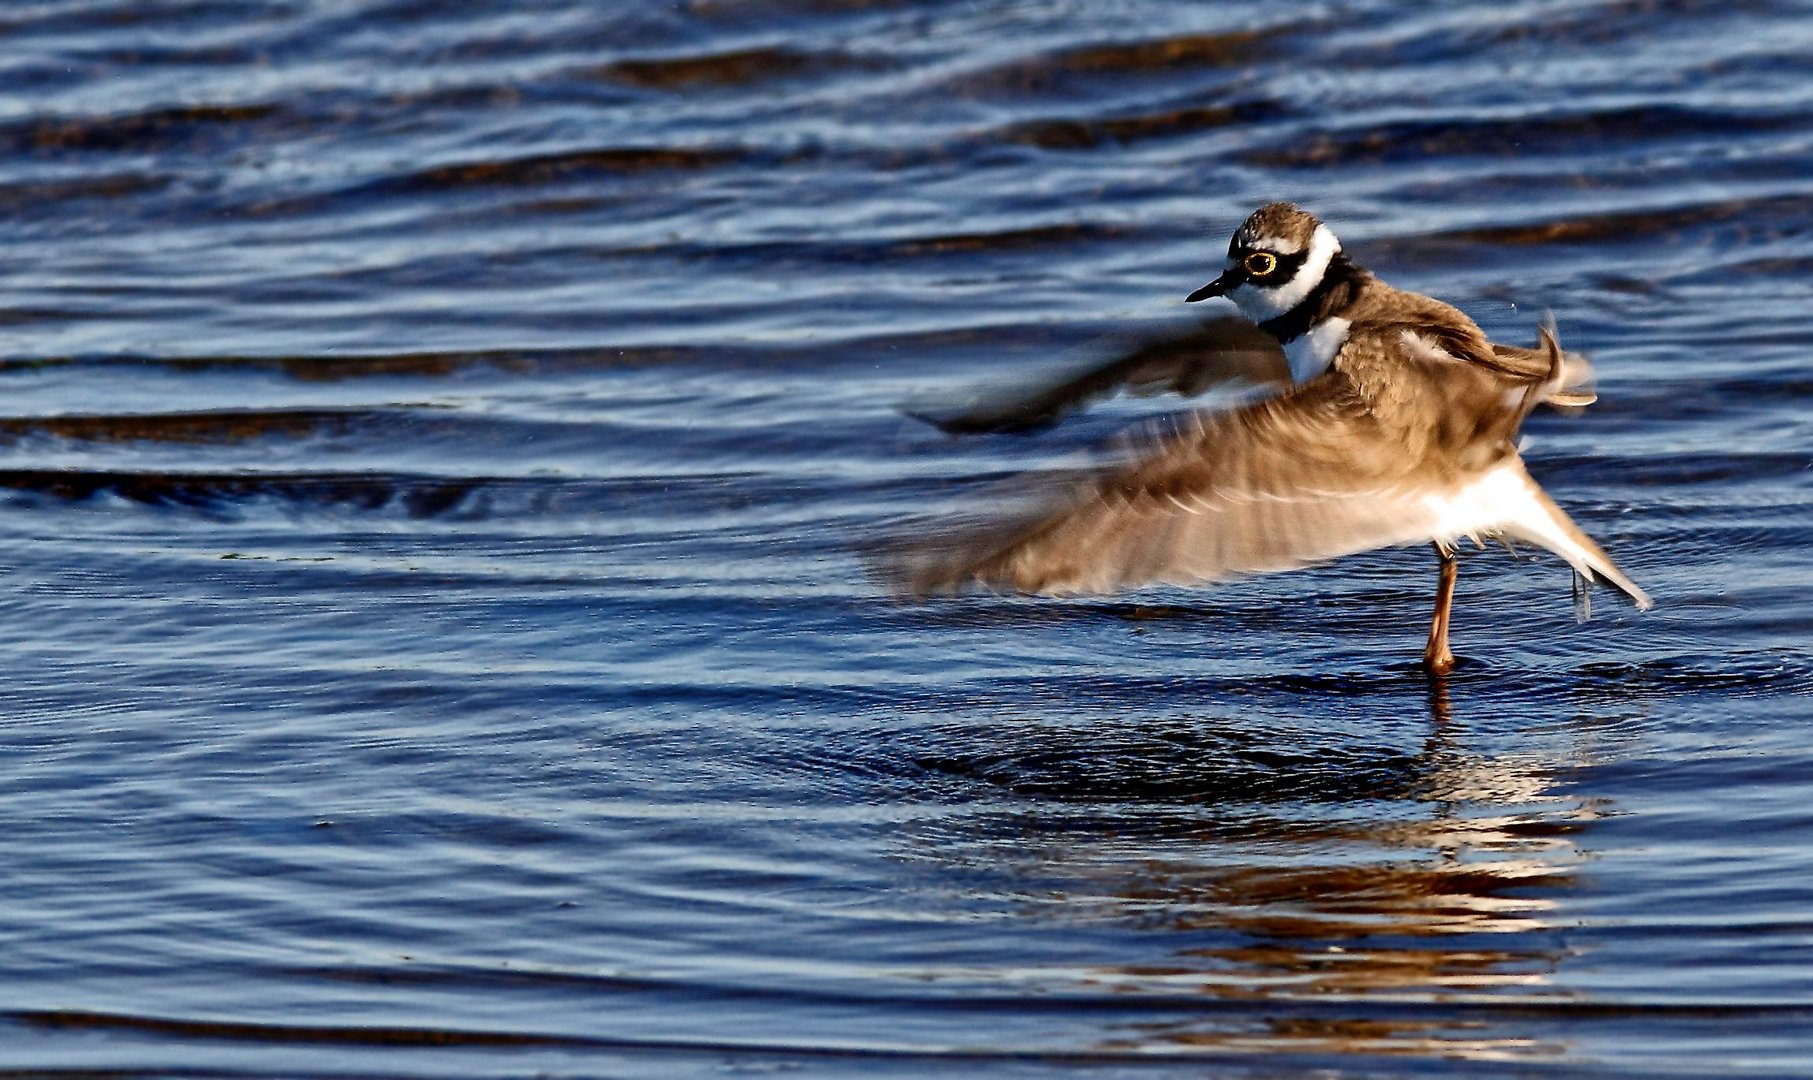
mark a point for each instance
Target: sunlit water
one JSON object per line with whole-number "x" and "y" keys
{"x": 440, "y": 440}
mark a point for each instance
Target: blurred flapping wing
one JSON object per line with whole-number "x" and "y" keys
{"x": 1280, "y": 483}
{"x": 1218, "y": 352}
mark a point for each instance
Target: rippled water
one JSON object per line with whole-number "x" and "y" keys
{"x": 439, "y": 440}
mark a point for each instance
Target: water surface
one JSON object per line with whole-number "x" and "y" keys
{"x": 439, "y": 440}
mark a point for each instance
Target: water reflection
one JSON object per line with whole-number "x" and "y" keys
{"x": 1349, "y": 897}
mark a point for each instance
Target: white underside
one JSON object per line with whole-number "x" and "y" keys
{"x": 1504, "y": 502}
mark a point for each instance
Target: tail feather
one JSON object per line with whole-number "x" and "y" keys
{"x": 1567, "y": 380}
{"x": 1550, "y": 527}
{"x": 1570, "y": 381}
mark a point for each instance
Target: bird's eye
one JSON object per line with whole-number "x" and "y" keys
{"x": 1260, "y": 263}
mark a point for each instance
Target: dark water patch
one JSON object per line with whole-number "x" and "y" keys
{"x": 108, "y": 18}
{"x": 1762, "y": 63}
{"x": 1755, "y": 220}
{"x": 158, "y": 130}
{"x": 1678, "y": 470}
{"x": 734, "y": 11}
{"x": 759, "y": 66}
{"x": 1764, "y": 388}
{"x": 552, "y": 206}
{"x": 413, "y": 103}
{"x": 289, "y": 1033}
{"x": 467, "y": 498}
{"x": 1062, "y": 71}
{"x": 1201, "y": 762}
{"x": 500, "y": 979}
{"x": 882, "y": 251}
{"x": 1063, "y": 133}
{"x": 1164, "y": 54}
{"x": 416, "y": 496}
{"x": 1739, "y": 264}
{"x": 1751, "y": 672}
{"x": 569, "y": 165}
{"x": 1605, "y": 23}
{"x": 27, "y": 198}
{"x": 30, "y": 316}
{"x": 1008, "y": 240}
{"x": 341, "y": 367}
{"x": 232, "y": 426}
{"x": 1513, "y": 137}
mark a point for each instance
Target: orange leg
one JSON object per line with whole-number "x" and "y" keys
{"x": 1436, "y": 657}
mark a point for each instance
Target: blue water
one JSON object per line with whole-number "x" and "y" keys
{"x": 440, "y": 443}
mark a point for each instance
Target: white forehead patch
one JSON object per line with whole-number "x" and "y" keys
{"x": 1271, "y": 244}
{"x": 1264, "y": 304}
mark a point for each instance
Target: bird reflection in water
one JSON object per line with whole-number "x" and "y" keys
{"x": 1336, "y": 896}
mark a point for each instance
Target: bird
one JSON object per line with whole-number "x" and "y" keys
{"x": 1270, "y": 351}
{"x": 1398, "y": 425}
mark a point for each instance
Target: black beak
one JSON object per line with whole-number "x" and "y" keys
{"x": 1218, "y": 287}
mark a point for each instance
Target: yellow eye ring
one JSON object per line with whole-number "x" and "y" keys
{"x": 1260, "y": 263}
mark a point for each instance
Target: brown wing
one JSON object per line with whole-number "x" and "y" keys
{"x": 1278, "y": 484}
{"x": 1344, "y": 463}
{"x": 1449, "y": 329}
{"x": 1217, "y": 352}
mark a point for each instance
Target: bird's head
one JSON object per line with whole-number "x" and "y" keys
{"x": 1275, "y": 260}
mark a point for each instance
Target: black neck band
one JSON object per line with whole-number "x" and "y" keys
{"x": 1334, "y": 291}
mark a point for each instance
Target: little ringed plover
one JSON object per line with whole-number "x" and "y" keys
{"x": 1399, "y": 427}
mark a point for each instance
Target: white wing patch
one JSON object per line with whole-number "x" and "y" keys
{"x": 1428, "y": 350}
{"x": 1311, "y": 353}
